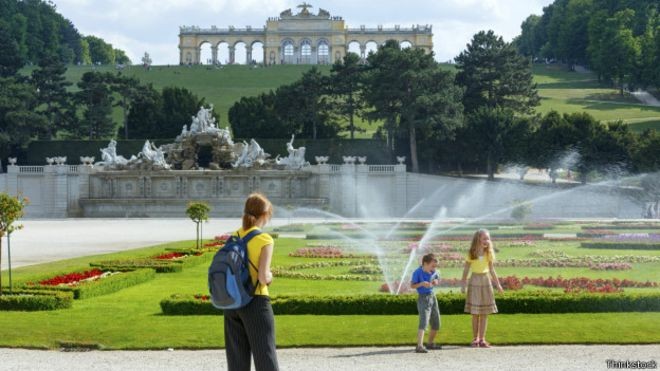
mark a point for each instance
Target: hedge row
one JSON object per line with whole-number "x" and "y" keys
{"x": 35, "y": 300}
{"x": 160, "y": 266}
{"x": 440, "y": 236}
{"x": 453, "y": 303}
{"x": 623, "y": 226}
{"x": 102, "y": 286}
{"x": 621, "y": 245}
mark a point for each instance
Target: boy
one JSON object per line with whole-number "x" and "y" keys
{"x": 423, "y": 279}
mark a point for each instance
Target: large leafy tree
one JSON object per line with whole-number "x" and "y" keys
{"x": 407, "y": 88}
{"x": 127, "y": 88}
{"x": 253, "y": 117}
{"x": 145, "y": 113}
{"x": 494, "y": 74}
{"x": 345, "y": 86}
{"x": 179, "y": 105}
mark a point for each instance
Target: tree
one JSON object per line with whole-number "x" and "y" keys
{"x": 554, "y": 140}
{"x": 491, "y": 129}
{"x": 95, "y": 96}
{"x": 198, "y": 212}
{"x": 407, "y": 88}
{"x": 179, "y": 105}
{"x": 128, "y": 89}
{"x": 494, "y": 74}
{"x": 100, "y": 51}
{"x": 620, "y": 48}
{"x": 121, "y": 57}
{"x": 646, "y": 154}
{"x": 345, "y": 82}
{"x": 11, "y": 209}
{"x": 52, "y": 93}
{"x": 530, "y": 41}
{"x": 145, "y": 113}
{"x": 251, "y": 117}
{"x": 19, "y": 119}
{"x": 10, "y": 58}
{"x": 573, "y": 33}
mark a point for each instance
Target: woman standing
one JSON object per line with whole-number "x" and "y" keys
{"x": 250, "y": 331}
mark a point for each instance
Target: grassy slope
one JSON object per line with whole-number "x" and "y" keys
{"x": 560, "y": 90}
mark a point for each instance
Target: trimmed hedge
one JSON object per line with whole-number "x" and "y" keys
{"x": 623, "y": 226}
{"x": 453, "y": 303}
{"x": 100, "y": 287}
{"x": 35, "y": 300}
{"x": 494, "y": 236}
{"x": 160, "y": 266}
{"x": 621, "y": 245}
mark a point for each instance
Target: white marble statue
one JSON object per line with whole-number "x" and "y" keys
{"x": 251, "y": 154}
{"x": 152, "y": 156}
{"x": 296, "y": 158}
{"x": 109, "y": 156}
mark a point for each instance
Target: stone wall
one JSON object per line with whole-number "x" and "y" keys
{"x": 349, "y": 190}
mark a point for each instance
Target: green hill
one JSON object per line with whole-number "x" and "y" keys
{"x": 560, "y": 90}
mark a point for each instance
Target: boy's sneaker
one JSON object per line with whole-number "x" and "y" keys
{"x": 433, "y": 346}
{"x": 421, "y": 350}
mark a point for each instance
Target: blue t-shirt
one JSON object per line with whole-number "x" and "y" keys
{"x": 420, "y": 276}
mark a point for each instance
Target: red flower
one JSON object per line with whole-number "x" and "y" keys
{"x": 71, "y": 278}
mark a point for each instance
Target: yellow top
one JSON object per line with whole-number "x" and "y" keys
{"x": 480, "y": 264}
{"x": 254, "y": 251}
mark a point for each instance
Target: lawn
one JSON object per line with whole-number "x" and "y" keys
{"x": 132, "y": 318}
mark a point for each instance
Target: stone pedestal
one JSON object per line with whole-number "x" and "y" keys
{"x": 347, "y": 192}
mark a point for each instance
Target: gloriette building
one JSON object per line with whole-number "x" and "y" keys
{"x": 303, "y": 38}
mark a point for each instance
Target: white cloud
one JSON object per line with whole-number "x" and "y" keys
{"x": 153, "y": 25}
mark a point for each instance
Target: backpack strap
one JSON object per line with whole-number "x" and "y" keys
{"x": 247, "y": 239}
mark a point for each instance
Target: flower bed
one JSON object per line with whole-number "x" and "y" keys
{"x": 324, "y": 252}
{"x": 538, "y": 226}
{"x": 511, "y": 283}
{"x": 450, "y": 303}
{"x": 569, "y": 285}
{"x": 624, "y": 225}
{"x": 170, "y": 262}
{"x": 75, "y": 278}
{"x": 595, "y": 233}
{"x": 35, "y": 300}
{"x": 94, "y": 285}
{"x": 611, "y": 266}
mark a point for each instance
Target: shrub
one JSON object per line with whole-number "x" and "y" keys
{"x": 99, "y": 287}
{"x": 621, "y": 245}
{"x": 162, "y": 263}
{"x": 451, "y": 303}
{"x": 35, "y": 300}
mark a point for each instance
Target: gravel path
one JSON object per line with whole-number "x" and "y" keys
{"x": 559, "y": 357}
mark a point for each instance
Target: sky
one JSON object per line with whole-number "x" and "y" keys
{"x": 153, "y": 25}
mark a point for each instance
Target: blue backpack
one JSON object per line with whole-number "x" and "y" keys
{"x": 229, "y": 274}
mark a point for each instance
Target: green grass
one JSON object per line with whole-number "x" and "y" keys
{"x": 132, "y": 319}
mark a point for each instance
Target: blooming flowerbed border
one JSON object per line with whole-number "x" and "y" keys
{"x": 100, "y": 287}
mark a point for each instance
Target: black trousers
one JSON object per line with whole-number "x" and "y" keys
{"x": 251, "y": 331}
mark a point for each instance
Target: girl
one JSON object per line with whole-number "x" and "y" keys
{"x": 480, "y": 301}
{"x": 250, "y": 331}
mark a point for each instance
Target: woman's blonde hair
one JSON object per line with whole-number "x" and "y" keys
{"x": 475, "y": 246}
{"x": 256, "y": 207}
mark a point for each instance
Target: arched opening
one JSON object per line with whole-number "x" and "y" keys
{"x": 223, "y": 53}
{"x": 205, "y": 54}
{"x": 257, "y": 52}
{"x": 354, "y": 47}
{"x": 323, "y": 52}
{"x": 189, "y": 58}
{"x": 288, "y": 56}
{"x": 370, "y": 47}
{"x": 240, "y": 53}
{"x": 406, "y": 44}
{"x": 306, "y": 52}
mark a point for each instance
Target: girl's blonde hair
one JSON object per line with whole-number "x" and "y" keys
{"x": 475, "y": 246}
{"x": 256, "y": 207}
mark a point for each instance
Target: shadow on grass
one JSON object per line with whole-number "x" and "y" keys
{"x": 610, "y": 106}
